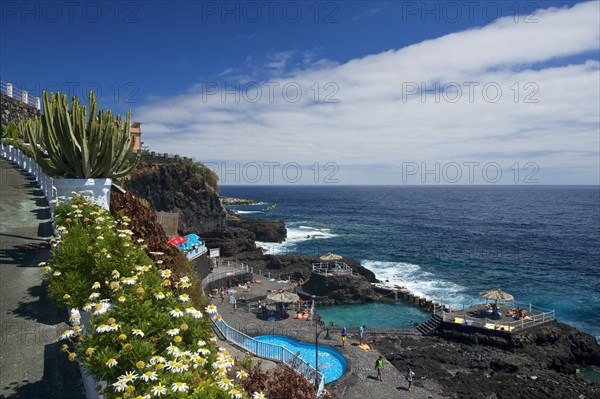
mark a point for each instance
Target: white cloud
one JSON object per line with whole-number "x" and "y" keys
{"x": 554, "y": 121}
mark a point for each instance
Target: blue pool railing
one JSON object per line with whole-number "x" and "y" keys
{"x": 270, "y": 351}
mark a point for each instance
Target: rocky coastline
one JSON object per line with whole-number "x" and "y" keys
{"x": 537, "y": 363}
{"x": 540, "y": 362}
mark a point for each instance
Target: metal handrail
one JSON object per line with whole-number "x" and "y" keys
{"x": 270, "y": 351}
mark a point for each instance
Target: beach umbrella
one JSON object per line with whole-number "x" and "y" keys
{"x": 330, "y": 257}
{"x": 193, "y": 237}
{"x": 177, "y": 240}
{"x": 283, "y": 297}
{"x": 496, "y": 294}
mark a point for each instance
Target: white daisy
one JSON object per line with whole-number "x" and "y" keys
{"x": 176, "y": 313}
{"x": 173, "y": 332}
{"x": 179, "y": 387}
{"x": 111, "y": 362}
{"x": 138, "y": 332}
{"x": 120, "y": 385}
{"x": 159, "y": 390}
{"x": 148, "y": 376}
{"x": 211, "y": 309}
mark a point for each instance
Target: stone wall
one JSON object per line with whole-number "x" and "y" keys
{"x": 12, "y": 110}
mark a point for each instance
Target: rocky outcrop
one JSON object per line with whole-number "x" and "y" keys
{"x": 179, "y": 188}
{"x": 234, "y": 243}
{"x": 339, "y": 290}
{"x": 14, "y": 110}
{"x": 238, "y": 201}
{"x": 264, "y": 230}
{"x": 539, "y": 363}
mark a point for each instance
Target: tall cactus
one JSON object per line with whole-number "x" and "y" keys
{"x": 66, "y": 146}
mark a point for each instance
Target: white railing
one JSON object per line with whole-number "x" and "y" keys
{"x": 271, "y": 351}
{"x": 46, "y": 183}
{"x": 9, "y": 90}
{"x": 329, "y": 269}
{"x": 217, "y": 275}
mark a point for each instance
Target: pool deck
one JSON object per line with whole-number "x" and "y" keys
{"x": 359, "y": 381}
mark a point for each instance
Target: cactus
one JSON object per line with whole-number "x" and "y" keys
{"x": 66, "y": 146}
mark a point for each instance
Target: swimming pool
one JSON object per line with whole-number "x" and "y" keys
{"x": 332, "y": 363}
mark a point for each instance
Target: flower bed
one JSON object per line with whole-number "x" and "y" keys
{"x": 147, "y": 336}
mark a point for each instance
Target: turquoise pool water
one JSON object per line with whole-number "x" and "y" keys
{"x": 332, "y": 363}
{"x": 374, "y": 315}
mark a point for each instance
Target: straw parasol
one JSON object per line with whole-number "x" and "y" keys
{"x": 330, "y": 257}
{"x": 283, "y": 297}
{"x": 496, "y": 294}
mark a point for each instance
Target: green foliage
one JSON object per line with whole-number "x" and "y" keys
{"x": 10, "y": 131}
{"x": 208, "y": 175}
{"x": 142, "y": 315}
{"x": 65, "y": 145}
{"x": 280, "y": 383}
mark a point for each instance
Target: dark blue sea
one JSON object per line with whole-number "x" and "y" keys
{"x": 541, "y": 244}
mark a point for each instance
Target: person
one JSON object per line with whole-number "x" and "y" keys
{"x": 222, "y": 294}
{"x": 409, "y": 376}
{"x": 361, "y": 334}
{"x": 344, "y": 336}
{"x": 379, "y": 367}
{"x": 232, "y": 302}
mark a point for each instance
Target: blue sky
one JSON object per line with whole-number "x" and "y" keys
{"x": 346, "y": 92}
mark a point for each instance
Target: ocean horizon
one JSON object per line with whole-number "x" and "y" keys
{"x": 539, "y": 243}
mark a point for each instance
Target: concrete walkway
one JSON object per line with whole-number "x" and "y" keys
{"x": 31, "y": 364}
{"x": 360, "y": 382}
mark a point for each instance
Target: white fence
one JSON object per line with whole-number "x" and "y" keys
{"x": 22, "y": 95}
{"x": 46, "y": 183}
{"x": 271, "y": 351}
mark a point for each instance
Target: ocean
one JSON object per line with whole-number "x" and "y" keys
{"x": 448, "y": 243}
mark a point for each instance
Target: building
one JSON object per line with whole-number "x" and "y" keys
{"x": 136, "y": 132}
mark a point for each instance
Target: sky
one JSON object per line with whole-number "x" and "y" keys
{"x": 332, "y": 92}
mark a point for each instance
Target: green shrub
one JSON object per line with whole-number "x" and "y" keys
{"x": 145, "y": 333}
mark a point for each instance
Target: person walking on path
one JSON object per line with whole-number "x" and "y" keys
{"x": 379, "y": 367}
{"x": 232, "y": 302}
{"x": 409, "y": 376}
{"x": 361, "y": 334}
{"x": 344, "y": 336}
{"x": 222, "y": 293}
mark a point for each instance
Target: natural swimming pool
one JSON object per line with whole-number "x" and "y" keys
{"x": 375, "y": 314}
{"x": 332, "y": 363}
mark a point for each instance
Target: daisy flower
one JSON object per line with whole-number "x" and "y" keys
{"x": 111, "y": 362}
{"x": 160, "y": 295}
{"x": 259, "y": 395}
{"x": 102, "y": 328}
{"x": 179, "y": 387}
{"x": 129, "y": 280}
{"x": 120, "y": 385}
{"x": 94, "y": 295}
{"x": 67, "y": 334}
{"x": 235, "y": 393}
{"x": 122, "y": 299}
{"x": 241, "y": 374}
{"x": 149, "y": 376}
{"x": 201, "y": 343}
{"x": 172, "y": 332}
{"x": 165, "y": 273}
{"x": 176, "y": 313}
{"x": 138, "y": 332}
{"x": 56, "y": 273}
{"x": 211, "y": 309}
{"x": 225, "y": 383}
{"x": 159, "y": 389}
{"x": 204, "y": 351}
{"x": 184, "y": 297}
{"x": 129, "y": 376}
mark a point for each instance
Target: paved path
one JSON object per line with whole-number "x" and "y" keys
{"x": 31, "y": 364}
{"x": 361, "y": 380}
